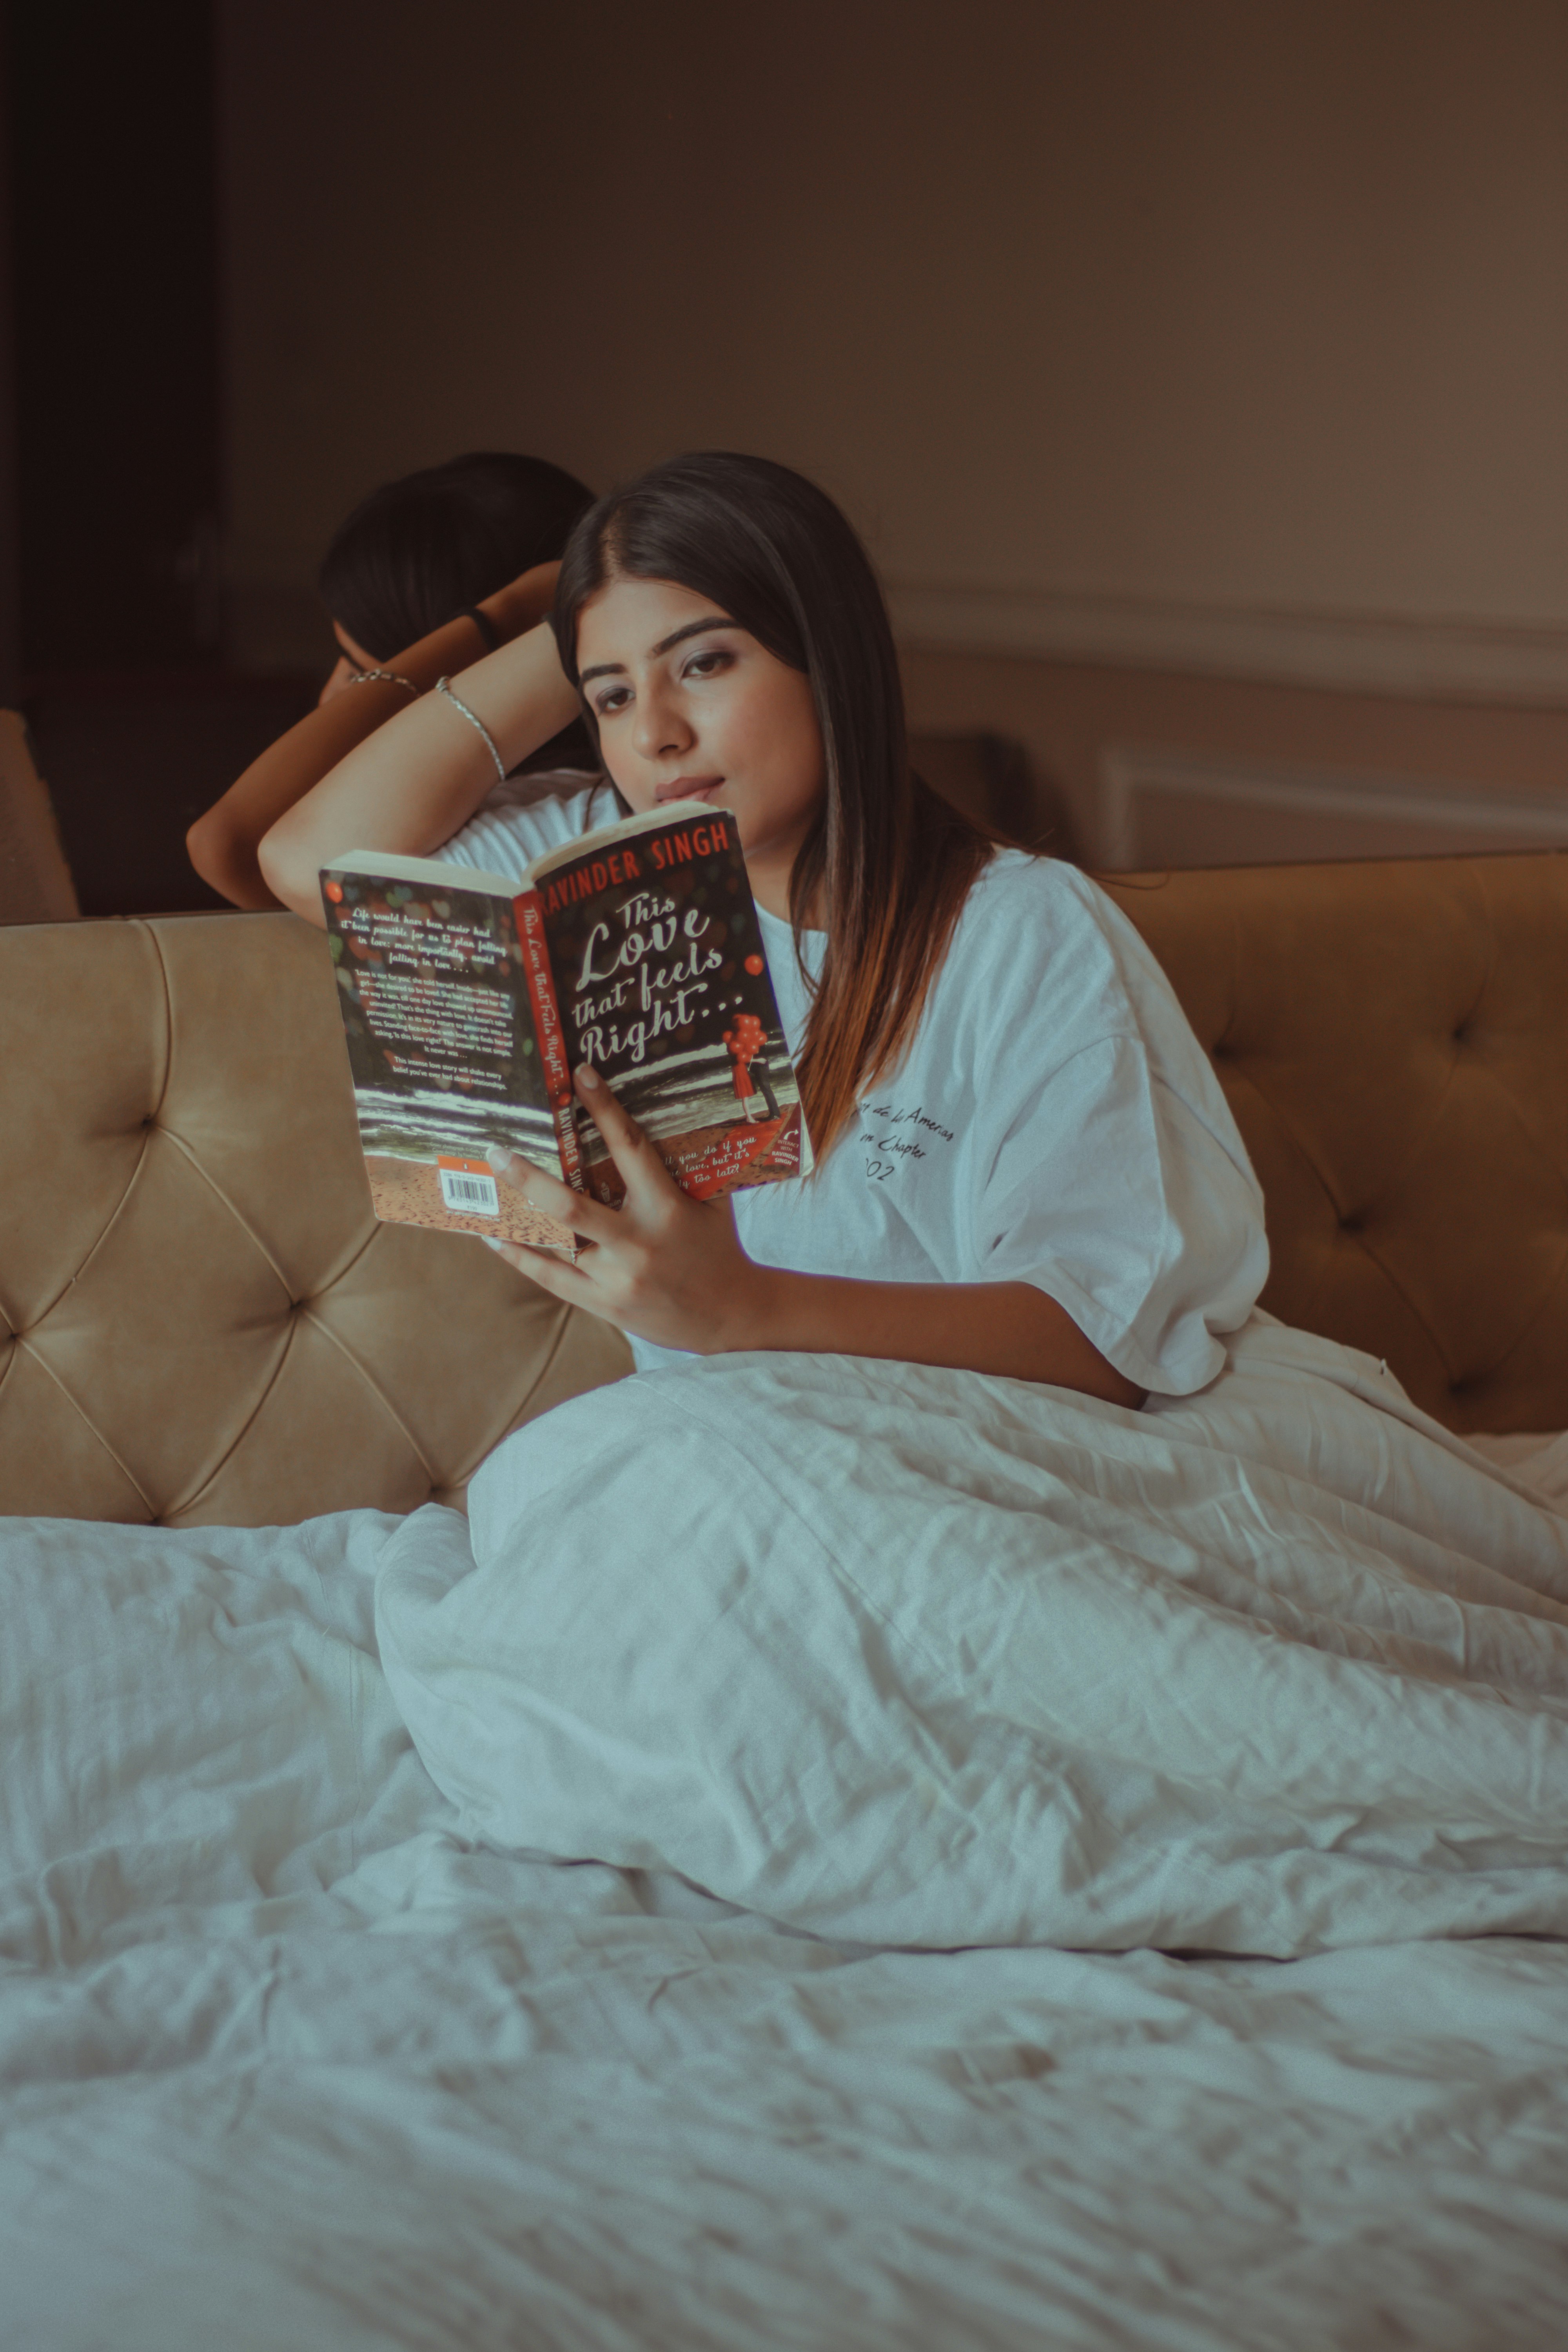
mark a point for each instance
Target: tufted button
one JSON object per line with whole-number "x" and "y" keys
{"x": 1352, "y": 1222}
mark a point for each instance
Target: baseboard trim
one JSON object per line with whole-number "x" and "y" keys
{"x": 1469, "y": 661}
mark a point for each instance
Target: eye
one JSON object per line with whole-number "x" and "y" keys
{"x": 614, "y": 699}
{"x": 709, "y": 662}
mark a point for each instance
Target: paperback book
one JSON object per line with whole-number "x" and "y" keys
{"x": 468, "y": 1000}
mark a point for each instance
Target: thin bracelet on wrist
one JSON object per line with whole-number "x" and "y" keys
{"x": 392, "y": 677}
{"x": 444, "y": 686}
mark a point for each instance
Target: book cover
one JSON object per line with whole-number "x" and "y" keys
{"x": 663, "y": 985}
{"x": 468, "y": 1000}
{"x": 443, "y": 1049}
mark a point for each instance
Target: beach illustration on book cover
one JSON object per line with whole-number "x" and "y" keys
{"x": 466, "y": 1010}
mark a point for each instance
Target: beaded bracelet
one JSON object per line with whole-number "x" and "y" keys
{"x": 444, "y": 686}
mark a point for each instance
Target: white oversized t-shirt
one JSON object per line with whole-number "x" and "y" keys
{"x": 1054, "y": 1121}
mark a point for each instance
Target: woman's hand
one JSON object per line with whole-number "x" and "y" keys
{"x": 343, "y": 674}
{"x": 663, "y": 1266}
{"x": 671, "y": 1270}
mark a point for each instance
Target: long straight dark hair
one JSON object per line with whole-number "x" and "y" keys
{"x": 888, "y": 861}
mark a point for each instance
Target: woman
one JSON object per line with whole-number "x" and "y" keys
{"x": 1025, "y": 1164}
{"x": 438, "y": 564}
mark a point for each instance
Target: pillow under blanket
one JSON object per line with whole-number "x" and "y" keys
{"x": 917, "y": 1657}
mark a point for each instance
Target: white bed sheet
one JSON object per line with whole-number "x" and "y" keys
{"x": 286, "y": 2060}
{"x": 1538, "y": 1457}
{"x": 529, "y": 2129}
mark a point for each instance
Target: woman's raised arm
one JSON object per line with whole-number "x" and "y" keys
{"x": 419, "y": 778}
{"x": 224, "y": 843}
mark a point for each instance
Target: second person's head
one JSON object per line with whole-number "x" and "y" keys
{"x": 419, "y": 551}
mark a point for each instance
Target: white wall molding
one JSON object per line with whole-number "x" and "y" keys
{"x": 1359, "y": 653}
{"x": 1471, "y": 661}
{"x": 1351, "y": 813}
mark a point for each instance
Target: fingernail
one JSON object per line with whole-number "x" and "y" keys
{"x": 498, "y": 1157}
{"x": 589, "y": 1076}
{"x": 490, "y": 1240}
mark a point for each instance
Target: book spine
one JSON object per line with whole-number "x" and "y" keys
{"x": 547, "y": 1030}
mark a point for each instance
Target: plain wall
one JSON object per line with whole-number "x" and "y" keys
{"x": 1223, "y": 306}
{"x": 1245, "y": 304}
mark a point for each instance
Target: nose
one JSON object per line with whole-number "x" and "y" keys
{"x": 659, "y": 727}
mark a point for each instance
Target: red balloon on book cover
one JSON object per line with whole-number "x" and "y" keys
{"x": 753, "y": 965}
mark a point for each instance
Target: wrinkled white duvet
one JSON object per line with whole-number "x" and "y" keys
{"x": 299, "y": 2047}
{"x": 923, "y": 1658}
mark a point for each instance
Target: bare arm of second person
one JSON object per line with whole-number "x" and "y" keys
{"x": 303, "y": 769}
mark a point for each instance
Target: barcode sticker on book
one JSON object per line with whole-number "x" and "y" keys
{"x": 467, "y": 1189}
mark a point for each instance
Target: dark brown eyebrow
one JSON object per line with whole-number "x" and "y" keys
{"x": 692, "y": 629}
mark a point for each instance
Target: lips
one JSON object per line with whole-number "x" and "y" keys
{"x": 689, "y": 788}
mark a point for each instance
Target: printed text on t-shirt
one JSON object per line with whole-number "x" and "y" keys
{"x": 889, "y": 1147}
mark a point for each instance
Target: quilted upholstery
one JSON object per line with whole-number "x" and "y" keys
{"x": 202, "y": 1320}
{"x": 1393, "y": 1038}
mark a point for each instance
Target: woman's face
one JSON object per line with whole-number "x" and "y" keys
{"x": 690, "y": 707}
{"x": 351, "y": 657}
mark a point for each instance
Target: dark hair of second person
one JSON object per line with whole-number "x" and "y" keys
{"x": 419, "y": 551}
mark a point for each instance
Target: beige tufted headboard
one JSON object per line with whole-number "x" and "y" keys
{"x": 202, "y": 1320}
{"x": 1393, "y": 1038}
